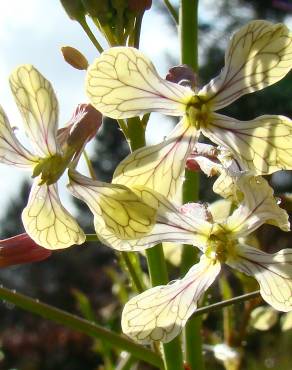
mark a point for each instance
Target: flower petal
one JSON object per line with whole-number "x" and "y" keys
{"x": 272, "y": 271}
{"x": 159, "y": 167}
{"x": 47, "y": 222}
{"x": 160, "y": 313}
{"x": 123, "y": 83}
{"x": 259, "y": 54}
{"x": 138, "y": 218}
{"x": 38, "y": 106}
{"x": 259, "y": 206}
{"x": 11, "y": 151}
{"x": 261, "y": 146}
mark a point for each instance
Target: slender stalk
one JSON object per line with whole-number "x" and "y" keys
{"x": 171, "y": 10}
{"x": 89, "y": 165}
{"x": 134, "y": 270}
{"x": 77, "y": 323}
{"x": 91, "y": 36}
{"x": 218, "y": 306}
{"x": 188, "y": 25}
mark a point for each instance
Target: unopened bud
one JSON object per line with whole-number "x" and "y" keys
{"x": 82, "y": 128}
{"x": 139, "y": 6}
{"x": 21, "y": 249}
{"x": 100, "y": 9}
{"x": 74, "y": 57}
{"x": 183, "y": 75}
{"x": 74, "y": 9}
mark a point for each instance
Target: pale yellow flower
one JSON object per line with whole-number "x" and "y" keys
{"x": 45, "y": 220}
{"x": 123, "y": 83}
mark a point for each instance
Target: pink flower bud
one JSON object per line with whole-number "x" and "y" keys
{"x": 183, "y": 75}
{"x": 138, "y": 6}
{"x": 81, "y": 128}
{"x": 21, "y": 249}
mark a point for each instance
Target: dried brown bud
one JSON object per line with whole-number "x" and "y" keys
{"x": 74, "y": 57}
{"x": 21, "y": 249}
{"x": 183, "y": 75}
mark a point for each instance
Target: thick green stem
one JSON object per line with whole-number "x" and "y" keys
{"x": 158, "y": 273}
{"x": 188, "y": 25}
{"x": 77, "y": 323}
{"x": 172, "y": 353}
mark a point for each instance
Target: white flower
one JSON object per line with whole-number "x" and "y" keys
{"x": 160, "y": 313}
{"x": 45, "y": 220}
{"x": 123, "y": 83}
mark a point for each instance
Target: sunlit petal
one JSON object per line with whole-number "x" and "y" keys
{"x": 259, "y": 54}
{"x": 160, "y": 313}
{"x": 138, "y": 218}
{"x": 225, "y": 185}
{"x": 259, "y": 206}
{"x": 38, "y": 106}
{"x": 47, "y": 222}
{"x": 272, "y": 271}
{"x": 261, "y": 146}
{"x": 159, "y": 167}
{"x": 11, "y": 151}
{"x": 123, "y": 83}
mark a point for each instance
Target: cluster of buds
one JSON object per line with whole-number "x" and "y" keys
{"x": 115, "y": 19}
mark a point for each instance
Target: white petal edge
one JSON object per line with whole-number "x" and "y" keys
{"x": 160, "y": 313}
{"x": 11, "y": 151}
{"x": 272, "y": 271}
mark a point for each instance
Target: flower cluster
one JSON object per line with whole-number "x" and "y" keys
{"x": 123, "y": 83}
{"x": 141, "y": 207}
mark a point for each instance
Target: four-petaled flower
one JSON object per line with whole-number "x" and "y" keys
{"x": 160, "y": 313}
{"x": 46, "y": 221}
{"x": 123, "y": 83}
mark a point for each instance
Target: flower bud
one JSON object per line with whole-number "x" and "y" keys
{"x": 21, "y": 249}
{"x": 139, "y": 6}
{"x": 74, "y": 9}
{"x": 100, "y": 9}
{"x": 82, "y": 127}
{"x": 74, "y": 57}
{"x": 183, "y": 75}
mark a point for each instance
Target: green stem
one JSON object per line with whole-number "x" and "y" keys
{"x": 158, "y": 274}
{"x": 91, "y": 36}
{"x": 131, "y": 261}
{"x": 171, "y": 10}
{"x": 89, "y": 165}
{"x": 77, "y": 323}
{"x": 172, "y": 353}
{"x": 188, "y": 25}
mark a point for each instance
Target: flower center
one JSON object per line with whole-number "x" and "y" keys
{"x": 51, "y": 168}
{"x": 198, "y": 111}
{"x": 220, "y": 247}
